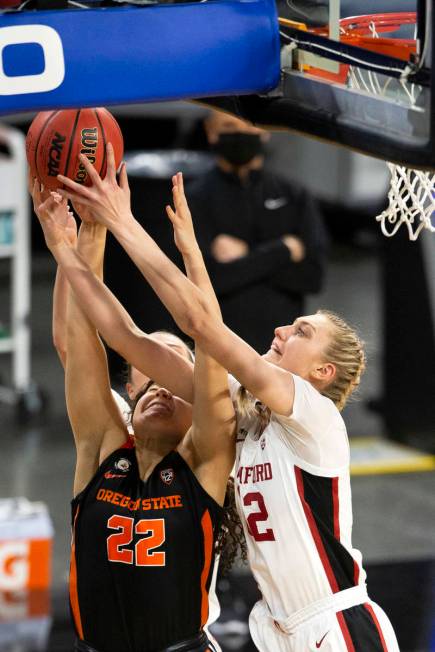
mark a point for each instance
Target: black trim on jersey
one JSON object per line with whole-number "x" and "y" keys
{"x": 363, "y": 631}
{"x": 318, "y": 493}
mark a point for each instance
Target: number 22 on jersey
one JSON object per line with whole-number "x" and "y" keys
{"x": 143, "y": 553}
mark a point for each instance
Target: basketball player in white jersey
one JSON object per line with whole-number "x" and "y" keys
{"x": 292, "y": 464}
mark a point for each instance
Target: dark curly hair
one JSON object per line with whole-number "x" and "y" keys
{"x": 231, "y": 542}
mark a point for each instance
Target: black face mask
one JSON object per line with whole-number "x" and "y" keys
{"x": 238, "y": 148}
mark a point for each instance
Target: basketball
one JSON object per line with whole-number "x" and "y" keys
{"x": 56, "y": 138}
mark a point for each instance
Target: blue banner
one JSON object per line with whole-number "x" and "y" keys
{"x": 92, "y": 57}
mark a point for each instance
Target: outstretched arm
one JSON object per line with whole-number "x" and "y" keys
{"x": 185, "y": 239}
{"x": 190, "y": 307}
{"x": 153, "y": 358}
{"x": 93, "y": 414}
{"x": 209, "y": 447}
{"x": 58, "y": 327}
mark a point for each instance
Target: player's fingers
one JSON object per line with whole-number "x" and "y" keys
{"x": 177, "y": 199}
{"x": 111, "y": 165}
{"x": 36, "y": 192}
{"x": 57, "y": 198}
{"x": 77, "y": 188}
{"x": 180, "y": 182}
{"x": 170, "y": 213}
{"x": 75, "y": 198}
{"x": 92, "y": 173}
{"x": 123, "y": 178}
{"x": 47, "y": 206}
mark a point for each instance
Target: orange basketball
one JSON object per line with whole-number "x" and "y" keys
{"x": 56, "y": 138}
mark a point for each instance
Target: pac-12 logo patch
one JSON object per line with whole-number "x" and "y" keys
{"x": 263, "y": 442}
{"x": 123, "y": 464}
{"x": 167, "y": 475}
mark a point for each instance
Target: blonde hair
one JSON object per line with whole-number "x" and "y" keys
{"x": 247, "y": 406}
{"x": 346, "y": 352}
{"x": 189, "y": 353}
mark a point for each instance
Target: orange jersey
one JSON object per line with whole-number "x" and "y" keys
{"x": 142, "y": 555}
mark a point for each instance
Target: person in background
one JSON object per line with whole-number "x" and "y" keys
{"x": 263, "y": 238}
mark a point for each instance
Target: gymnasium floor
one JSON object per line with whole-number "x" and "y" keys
{"x": 394, "y": 514}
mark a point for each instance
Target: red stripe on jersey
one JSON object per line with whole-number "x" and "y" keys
{"x": 207, "y": 530}
{"x": 378, "y": 627}
{"x": 129, "y": 443}
{"x": 355, "y": 572}
{"x": 73, "y": 593}
{"x": 345, "y": 631}
{"x": 336, "y": 508}
{"x": 315, "y": 532}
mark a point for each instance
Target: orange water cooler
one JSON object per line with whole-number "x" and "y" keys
{"x": 26, "y": 535}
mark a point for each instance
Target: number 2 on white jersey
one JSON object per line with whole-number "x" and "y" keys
{"x": 257, "y": 517}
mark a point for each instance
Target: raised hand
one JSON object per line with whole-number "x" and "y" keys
{"x": 184, "y": 234}
{"x": 57, "y": 221}
{"x": 107, "y": 200}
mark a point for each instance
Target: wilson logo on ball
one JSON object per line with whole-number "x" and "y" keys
{"x": 54, "y": 154}
{"x": 56, "y": 139}
{"x": 89, "y": 144}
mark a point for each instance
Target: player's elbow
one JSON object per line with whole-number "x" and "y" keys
{"x": 60, "y": 347}
{"x": 194, "y": 319}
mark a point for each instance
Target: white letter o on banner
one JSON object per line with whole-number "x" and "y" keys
{"x": 54, "y": 71}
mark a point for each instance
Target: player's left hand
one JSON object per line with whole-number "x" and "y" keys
{"x": 181, "y": 218}
{"x": 57, "y": 221}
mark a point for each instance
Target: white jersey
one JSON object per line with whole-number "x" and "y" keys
{"x": 295, "y": 504}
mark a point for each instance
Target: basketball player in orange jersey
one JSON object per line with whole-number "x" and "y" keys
{"x": 292, "y": 465}
{"x": 146, "y": 512}
{"x": 135, "y": 381}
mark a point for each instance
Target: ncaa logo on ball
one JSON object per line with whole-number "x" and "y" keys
{"x": 55, "y": 153}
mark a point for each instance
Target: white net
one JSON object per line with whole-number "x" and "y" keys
{"x": 411, "y": 198}
{"x": 411, "y": 202}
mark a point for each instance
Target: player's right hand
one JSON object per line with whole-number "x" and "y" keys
{"x": 107, "y": 200}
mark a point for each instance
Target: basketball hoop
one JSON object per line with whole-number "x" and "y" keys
{"x": 411, "y": 198}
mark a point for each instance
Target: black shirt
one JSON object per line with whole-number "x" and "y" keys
{"x": 142, "y": 555}
{"x": 265, "y": 288}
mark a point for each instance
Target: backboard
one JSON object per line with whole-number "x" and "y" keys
{"x": 365, "y": 83}
{"x": 360, "y": 82}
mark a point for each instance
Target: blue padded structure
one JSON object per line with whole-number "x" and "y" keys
{"x": 137, "y": 54}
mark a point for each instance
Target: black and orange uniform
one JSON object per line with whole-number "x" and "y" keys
{"x": 142, "y": 557}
